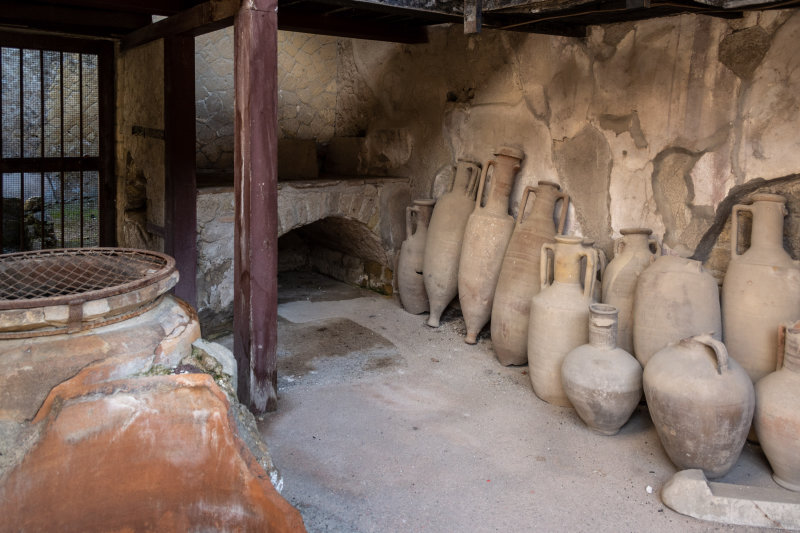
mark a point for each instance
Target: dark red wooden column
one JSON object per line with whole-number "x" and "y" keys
{"x": 180, "y": 211}
{"x": 255, "y": 255}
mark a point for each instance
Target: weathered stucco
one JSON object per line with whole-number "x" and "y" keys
{"x": 140, "y": 145}
{"x": 649, "y": 123}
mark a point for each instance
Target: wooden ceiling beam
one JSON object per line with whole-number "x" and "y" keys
{"x": 84, "y": 21}
{"x": 346, "y": 27}
{"x": 148, "y": 7}
{"x": 197, "y": 20}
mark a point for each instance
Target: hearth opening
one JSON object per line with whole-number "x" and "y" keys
{"x": 344, "y": 249}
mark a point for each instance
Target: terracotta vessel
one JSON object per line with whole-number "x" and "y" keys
{"x": 486, "y": 237}
{"x": 445, "y": 234}
{"x": 675, "y": 298}
{"x": 410, "y": 283}
{"x": 559, "y": 314}
{"x": 600, "y": 269}
{"x": 519, "y": 277}
{"x": 761, "y": 288}
{"x": 603, "y": 382}
{"x": 777, "y": 414}
{"x": 701, "y": 402}
{"x": 634, "y": 252}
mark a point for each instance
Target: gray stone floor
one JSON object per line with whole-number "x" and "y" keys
{"x": 387, "y": 425}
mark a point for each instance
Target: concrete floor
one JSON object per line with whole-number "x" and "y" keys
{"x": 385, "y": 424}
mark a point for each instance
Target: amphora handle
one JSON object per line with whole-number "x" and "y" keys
{"x": 655, "y": 246}
{"x": 590, "y": 275}
{"x": 735, "y": 227}
{"x": 562, "y": 217}
{"x": 547, "y": 259}
{"x": 719, "y": 350}
{"x": 482, "y": 182}
{"x": 524, "y": 204}
{"x": 409, "y": 211}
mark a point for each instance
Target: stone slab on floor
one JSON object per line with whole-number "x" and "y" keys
{"x": 414, "y": 430}
{"x": 689, "y": 493}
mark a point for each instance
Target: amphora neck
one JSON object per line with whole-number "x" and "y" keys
{"x": 768, "y": 214}
{"x": 603, "y": 326}
{"x": 503, "y": 173}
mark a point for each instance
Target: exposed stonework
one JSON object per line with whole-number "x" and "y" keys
{"x": 348, "y": 229}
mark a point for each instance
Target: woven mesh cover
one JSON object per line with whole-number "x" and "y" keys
{"x": 28, "y": 278}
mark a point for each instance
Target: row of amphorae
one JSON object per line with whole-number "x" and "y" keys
{"x": 659, "y": 329}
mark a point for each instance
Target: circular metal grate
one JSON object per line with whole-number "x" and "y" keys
{"x": 52, "y": 277}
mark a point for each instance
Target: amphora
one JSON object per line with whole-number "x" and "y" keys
{"x": 410, "y": 283}
{"x": 761, "y": 288}
{"x": 445, "y": 234}
{"x": 633, "y": 252}
{"x": 701, "y": 402}
{"x": 675, "y": 298}
{"x": 603, "y": 382}
{"x": 559, "y": 320}
{"x": 777, "y": 415}
{"x": 486, "y": 237}
{"x": 519, "y": 278}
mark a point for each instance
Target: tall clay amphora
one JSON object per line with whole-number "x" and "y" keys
{"x": 701, "y": 403}
{"x": 603, "y": 382}
{"x": 486, "y": 237}
{"x": 519, "y": 277}
{"x": 777, "y": 415}
{"x": 634, "y": 252}
{"x": 410, "y": 283}
{"x": 559, "y": 319}
{"x": 445, "y": 234}
{"x": 675, "y": 298}
{"x": 761, "y": 288}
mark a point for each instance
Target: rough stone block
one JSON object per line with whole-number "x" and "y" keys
{"x": 297, "y": 159}
{"x": 346, "y": 156}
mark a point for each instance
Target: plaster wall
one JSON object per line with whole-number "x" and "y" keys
{"x": 140, "y": 145}
{"x": 644, "y": 124}
{"x": 665, "y": 123}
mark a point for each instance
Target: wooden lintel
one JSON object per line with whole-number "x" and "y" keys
{"x": 202, "y": 18}
{"x": 344, "y": 27}
{"x": 180, "y": 231}
{"x": 255, "y": 254}
{"x": 84, "y": 21}
{"x": 149, "y": 7}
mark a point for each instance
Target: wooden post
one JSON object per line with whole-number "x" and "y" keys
{"x": 255, "y": 255}
{"x": 180, "y": 217}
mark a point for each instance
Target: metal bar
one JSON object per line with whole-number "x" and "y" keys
{"x": 61, "y": 147}
{"x": 41, "y": 139}
{"x": 52, "y": 164}
{"x": 106, "y": 176}
{"x": 255, "y": 191}
{"x": 21, "y": 153}
{"x": 80, "y": 138}
{"x": 2, "y": 176}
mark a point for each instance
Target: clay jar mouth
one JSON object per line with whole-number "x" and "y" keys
{"x": 425, "y": 201}
{"x": 508, "y": 151}
{"x": 568, "y": 239}
{"x": 636, "y": 231}
{"x": 603, "y": 309}
{"x": 768, "y": 197}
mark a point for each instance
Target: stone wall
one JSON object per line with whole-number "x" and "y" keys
{"x": 347, "y": 229}
{"x": 307, "y": 92}
{"x": 664, "y": 123}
